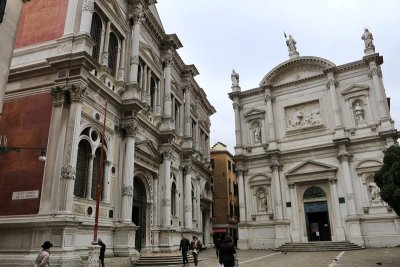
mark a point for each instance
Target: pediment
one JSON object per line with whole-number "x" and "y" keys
{"x": 147, "y": 147}
{"x": 355, "y": 88}
{"x": 259, "y": 179}
{"x": 118, "y": 7}
{"x": 311, "y": 167}
{"x": 254, "y": 112}
{"x": 146, "y": 50}
{"x": 298, "y": 69}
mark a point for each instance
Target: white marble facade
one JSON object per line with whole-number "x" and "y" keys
{"x": 157, "y": 174}
{"x": 308, "y": 142}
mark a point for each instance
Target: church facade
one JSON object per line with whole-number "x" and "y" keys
{"x": 79, "y": 65}
{"x": 308, "y": 142}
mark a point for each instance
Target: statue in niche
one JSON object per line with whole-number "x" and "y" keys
{"x": 291, "y": 44}
{"x": 261, "y": 200}
{"x": 375, "y": 192}
{"x": 367, "y": 37}
{"x": 359, "y": 114}
{"x": 235, "y": 78}
{"x": 257, "y": 132}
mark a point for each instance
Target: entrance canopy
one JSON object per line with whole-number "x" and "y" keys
{"x": 219, "y": 230}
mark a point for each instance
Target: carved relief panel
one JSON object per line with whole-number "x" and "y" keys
{"x": 303, "y": 116}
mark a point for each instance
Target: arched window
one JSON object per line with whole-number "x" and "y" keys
{"x": 113, "y": 53}
{"x": 173, "y": 199}
{"x": 82, "y": 165}
{"x": 96, "y": 165}
{"x": 95, "y": 34}
{"x": 313, "y": 192}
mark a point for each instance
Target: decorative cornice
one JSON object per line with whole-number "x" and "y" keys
{"x": 333, "y": 180}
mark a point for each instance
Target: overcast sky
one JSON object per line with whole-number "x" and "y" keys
{"x": 219, "y": 35}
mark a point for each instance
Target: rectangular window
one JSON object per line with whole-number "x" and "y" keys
{"x": 229, "y": 165}
{"x": 2, "y": 9}
{"x": 212, "y": 164}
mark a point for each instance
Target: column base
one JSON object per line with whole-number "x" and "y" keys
{"x": 93, "y": 255}
{"x": 295, "y": 235}
{"x": 355, "y": 231}
{"x": 340, "y": 234}
{"x": 124, "y": 241}
{"x": 281, "y": 234}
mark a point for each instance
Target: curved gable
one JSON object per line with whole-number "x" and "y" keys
{"x": 295, "y": 70}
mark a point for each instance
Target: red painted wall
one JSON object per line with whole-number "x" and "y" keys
{"x": 26, "y": 123}
{"x": 41, "y": 20}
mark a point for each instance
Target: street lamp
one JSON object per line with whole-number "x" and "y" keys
{"x": 4, "y": 149}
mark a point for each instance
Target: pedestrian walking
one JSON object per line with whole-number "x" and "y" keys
{"x": 184, "y": 247}
{"x": 217, "y": 244}
{"x": 42, "y": 260}
{"x": 196, "y": 246}
{"x": 227, "y": 252}
{"x": 102, "y": 251}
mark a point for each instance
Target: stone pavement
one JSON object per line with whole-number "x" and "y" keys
{"x": 389, "y": 257}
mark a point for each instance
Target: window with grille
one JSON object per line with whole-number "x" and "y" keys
{"x": 2, "y": 9}
{"x": 95, "y": 34}
{"x": 153, "y": 92}
{"x": 173, "y": 199}
{"x": 96, "y": 165}
{"x": 81, "y": 169}
{"x": 113, "y": 53}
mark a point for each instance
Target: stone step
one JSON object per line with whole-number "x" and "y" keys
{"x": 318, "y": 246}
{"x": 161, "y": 259}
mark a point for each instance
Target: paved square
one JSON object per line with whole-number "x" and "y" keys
{"x": 260, "y": 258}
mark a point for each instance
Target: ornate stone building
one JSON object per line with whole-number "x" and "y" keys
{"x": 74, "y": 60}
{"x": 310, "y": 138}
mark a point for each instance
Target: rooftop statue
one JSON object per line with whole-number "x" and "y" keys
{"x": 235, "y": 78}
{"x": 369, "y": 45}
{"x": 291, "y": 44}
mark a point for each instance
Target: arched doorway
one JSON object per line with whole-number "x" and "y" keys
{"x": 139, "y": 212}
{"x": 317, "y": 214}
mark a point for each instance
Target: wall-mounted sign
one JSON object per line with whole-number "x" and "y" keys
{"x": 25, "y": 195}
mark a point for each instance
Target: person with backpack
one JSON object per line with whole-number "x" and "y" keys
{"x": 227, "y": 252}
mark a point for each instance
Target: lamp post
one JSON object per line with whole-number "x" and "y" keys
{"x": 4, "y": 149}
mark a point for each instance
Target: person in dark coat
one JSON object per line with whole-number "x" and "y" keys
{"x": 184, "y": 247}
{"x": 217, "y": 244}
{"x": 227, "y": 252}
{"x": 102, "y": 251}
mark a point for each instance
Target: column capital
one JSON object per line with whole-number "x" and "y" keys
{"x": 127, "y": 190}
{"x": 58, "y": 94}
{"x": 68, "y": 172}
{"x": 188, "y": 168}
{"x": 131, "y": 127}
{"x": 291, "y": 185}
{"x": 332, "y": 82}
{"x": 344, "y": 156}
{"x": 375, "y": 71}
{"x": 333, "y": 180}
{"x": 242, "y": 171}
{"x": 167, "y": 154}
{"x": 269, "y": 98}
{"x": 136, "y": 16}
{"x": 88, "y": 6}
{"x": 275, "y": 166}
{"x": 77, "y": 92}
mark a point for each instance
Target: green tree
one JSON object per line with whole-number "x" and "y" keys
{"x": 388, "y": 178}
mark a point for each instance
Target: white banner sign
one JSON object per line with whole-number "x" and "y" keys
{"x": 25, "y": 194}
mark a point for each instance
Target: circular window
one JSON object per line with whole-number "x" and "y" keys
{"x": 113, "y": 170}
{"x": 97, "y": 116}
{"x": 89, "y": 211}
{"x": 94, "y": 135}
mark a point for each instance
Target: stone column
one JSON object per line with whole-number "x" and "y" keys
{"x": 121, "y": 70}
{"x": 136, "y": 18}
{"x": 68, "y": 170}
{"x": 166, "y": 202}
{"x": 344, "y": 157}
{"x": 106, "y": 184}
{"x": 331, "y": 85}
{"x": 51, "y": 179}
{"x": 104, "y": 57}
{"x": 181, "y": 120}
{"x": 206, "y": 227}
{"x": 199, "y": 213}
{"x": 376, "y": 75}
{"x": 156, "y": 202}
{"x": 277, "y": 190}
{"x": 188, "y": 197}
{"x": 167, "y": 85}
{"x": 90, "y": 177}
{"x": 70, "y": 19}
{"x": 295, "y": 213}
{"x": 270, "y": 118}
{"x": 128, "y": 171}
{"x": 340, "y": 235}
{"x": 86, "y": 18}
{"x": 238, "y": 131}
{"x": 242, "y": 197}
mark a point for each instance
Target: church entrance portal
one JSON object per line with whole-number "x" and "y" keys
{"x": 316, "y": 215}
{"x": 139, "y": 212}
